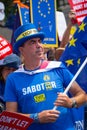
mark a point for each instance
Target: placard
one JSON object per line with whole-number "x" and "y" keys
{"x": 61, "y": 24}
{"x": 43, "y": 15}
{"x": 14, "y": 121}
{"x": 5, "y": 48}
{"x": 80, "y": 7}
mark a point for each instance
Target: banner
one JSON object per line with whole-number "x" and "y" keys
{"x": 24, "y": 14}
{"x": 14, "y": 121}
{"x": 22, "y": 17}
{"x": 43, "y": 15}
{"x": 80, "y": 7}
{"x": 5, "y": 48}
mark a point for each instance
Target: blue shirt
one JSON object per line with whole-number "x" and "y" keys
{"x": 36, "y": 91}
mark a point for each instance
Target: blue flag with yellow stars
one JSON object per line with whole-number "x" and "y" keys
{"x": 74, "y": 55}
{"x": 24, "y": 13}
{"x": 22, "y": 17}
{"x": 43, "y": 15}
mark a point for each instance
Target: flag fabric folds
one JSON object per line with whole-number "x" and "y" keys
{"x": 22, "y": 17}
{"x": 76, "y": 52}
{"x": 73, "y": 57}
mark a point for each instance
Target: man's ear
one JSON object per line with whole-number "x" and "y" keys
{"x": 21, "y": 50}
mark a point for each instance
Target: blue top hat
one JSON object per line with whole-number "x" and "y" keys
{"x": 24, "y": 33}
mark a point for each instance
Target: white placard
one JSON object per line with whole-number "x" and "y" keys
{"x": 61, "y": 24}
{"x": 2, "y": 13}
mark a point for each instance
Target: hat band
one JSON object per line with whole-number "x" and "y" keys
{"x": 26, "y": 33}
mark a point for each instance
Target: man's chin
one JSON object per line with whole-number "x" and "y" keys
{"x": 40, "y": 56}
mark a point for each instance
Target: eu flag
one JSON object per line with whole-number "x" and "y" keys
{"x": 22, "y": 17}
{"x": 24, "y": 14}
{"x": 73, "y": 57}
{"x": 43, "y": 15}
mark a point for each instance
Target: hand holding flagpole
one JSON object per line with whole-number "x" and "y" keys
{"x": 74, "y": 78}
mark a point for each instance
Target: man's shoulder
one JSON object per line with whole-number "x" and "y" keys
{"x": 52, "y": 64}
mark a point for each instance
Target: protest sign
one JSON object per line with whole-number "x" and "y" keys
{"x": 22, "y": 17}
{"x": 80, "y": 7}
{"x": 61, "y": 24}
{"x": 43, "y": 15}
{"x": 14, "y": 121}
{"x": 2, "y": 11}
{"x": 5, "y": 48}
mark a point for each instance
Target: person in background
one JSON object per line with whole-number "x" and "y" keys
{"x": 7, "y": 65}
{"x": 50, "y": 54}
{"x": 38, "y": 85}
{"x": 66, "y": 36}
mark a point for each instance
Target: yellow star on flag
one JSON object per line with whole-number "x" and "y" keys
{"x": 69, "y": 62}
{"x": 82, "y": 27}
{"x": 78, "y": 61}
{"x": 72, "y": 42}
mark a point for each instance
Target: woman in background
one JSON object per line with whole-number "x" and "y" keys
{"x": 7, "y": 65}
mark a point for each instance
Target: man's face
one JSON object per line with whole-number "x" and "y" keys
{"x": 32, "y": 49}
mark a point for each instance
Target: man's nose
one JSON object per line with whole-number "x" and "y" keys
{"x": 38, "y": 44}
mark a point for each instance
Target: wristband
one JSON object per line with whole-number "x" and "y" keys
{"x": 34, "y": 116}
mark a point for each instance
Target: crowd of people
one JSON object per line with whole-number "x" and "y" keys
{"x": 37, "y": 84}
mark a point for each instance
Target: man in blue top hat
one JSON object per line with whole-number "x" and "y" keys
{"x": 38, "y": 85}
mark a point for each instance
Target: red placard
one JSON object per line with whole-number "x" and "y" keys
{"x": 80, "y": 7}
{"x": 14, "y": 121}
{"x": 5, "y": 48}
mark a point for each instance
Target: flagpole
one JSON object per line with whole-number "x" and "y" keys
{"x": 74, "y": 78}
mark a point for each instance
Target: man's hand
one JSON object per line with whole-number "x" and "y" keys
{"x": 63, "y": 100}
{"x": 48, "y": 116}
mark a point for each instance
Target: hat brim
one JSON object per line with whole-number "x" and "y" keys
{"x": 20, "y": 42}
{"x": 10, "y": 65}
